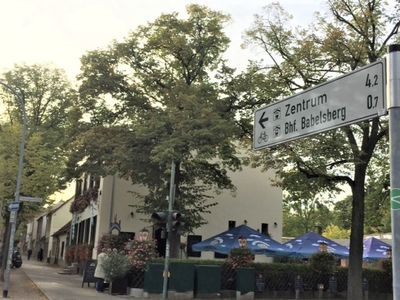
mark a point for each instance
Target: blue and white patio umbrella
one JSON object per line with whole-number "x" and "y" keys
{"x": 308, "y": 244}
{"x": 375, "y": 249}
{"x": 257, "y": 242}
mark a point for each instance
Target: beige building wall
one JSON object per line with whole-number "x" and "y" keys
{"x": 59, "y": 217}
{"x": 255, "y": 201}
{"x": 114, "y": 202}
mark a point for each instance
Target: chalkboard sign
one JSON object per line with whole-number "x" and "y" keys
{"x": 88, "y": 274}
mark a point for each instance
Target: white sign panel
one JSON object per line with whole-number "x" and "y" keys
{"x": 29, "y": 199}
{"x": 13, "y": 216}
{"x": 13, "y": 206}
{"x": 354, "y": 97}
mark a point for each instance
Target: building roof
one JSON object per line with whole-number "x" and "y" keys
{"x": 63, "y": 230}
{"x": 58, "y": 205}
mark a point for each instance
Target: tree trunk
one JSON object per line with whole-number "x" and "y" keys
{"x": 354, "y": 282}
{"x": 175, "y": 244}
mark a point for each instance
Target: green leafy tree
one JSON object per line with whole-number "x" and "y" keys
{"x": 305, "y": 209}
{"x": 335, "y": 232}
{"x": 377, "y": 198}
{"x": 48, "y": 97}
{"x": 342, "y": 213}
{"x": 151, "y": 99}
{"x": 354, "y": 34}
{"x": 304, "y": 216}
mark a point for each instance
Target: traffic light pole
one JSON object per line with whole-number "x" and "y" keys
{"x": 13, "y": 212}
{"x": 169, "y": 221}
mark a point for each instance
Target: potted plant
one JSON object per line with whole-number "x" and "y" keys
{"x": 116, "y": 267}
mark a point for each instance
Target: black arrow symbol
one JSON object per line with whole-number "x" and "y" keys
{"x": 262, "y": 120}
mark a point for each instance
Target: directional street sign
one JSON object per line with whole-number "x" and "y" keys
{"x": 356, "y": 96}
{"x": 13, "y": 206}
{"x": 30, "y": 199}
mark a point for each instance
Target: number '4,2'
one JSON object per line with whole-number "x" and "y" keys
{"x": 371, "y": 81}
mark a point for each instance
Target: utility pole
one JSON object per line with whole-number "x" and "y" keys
{"x": 15, "y": 205}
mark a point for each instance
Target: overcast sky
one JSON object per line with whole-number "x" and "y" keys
{"x": 60, "y": 32}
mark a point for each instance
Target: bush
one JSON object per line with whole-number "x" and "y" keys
{"x": 240, "y": 257}
{"x": 323, "y": 262}
{"x": 387, "y": 266}
{"x": 140, "y": 253}
{"x": 379, "y": 281}
{"x": 111, "y": 241}
{"x": 70, "y": 255}
{"x": 83, "y": 252}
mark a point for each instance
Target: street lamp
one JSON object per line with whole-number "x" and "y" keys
{"x": 13, "y": 210}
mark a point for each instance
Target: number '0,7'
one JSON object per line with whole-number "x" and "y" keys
{"x": 372, "y": 102}
{"x": 371, "y": 80}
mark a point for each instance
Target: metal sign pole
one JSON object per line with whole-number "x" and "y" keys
{"x": 13, "y": 213}
{"x": 394, "y": 137}
{"x": 167, "y": 247}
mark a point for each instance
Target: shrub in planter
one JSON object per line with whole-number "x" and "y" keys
{"x": 116, "y": 266}
{"x": 238, "y": 258}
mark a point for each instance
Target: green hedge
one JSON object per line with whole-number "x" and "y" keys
{"x": 281, "y": 276}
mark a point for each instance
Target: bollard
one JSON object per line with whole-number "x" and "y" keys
{"x": 365, "y": 288}
{"x": 298, "y": 286}
{"x": 260, "y": 283}
{"x": 333, "y": 285}
{"x": 320, "y": 290}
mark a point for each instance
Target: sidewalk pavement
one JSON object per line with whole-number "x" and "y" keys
{"x": 40, "y": 281}
{"x": 21, "y": 287}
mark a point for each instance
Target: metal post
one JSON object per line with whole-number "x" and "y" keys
{"x": 394, "y": 137}
{"x": 13, "y": 214}
{"x": 167, "y": 247}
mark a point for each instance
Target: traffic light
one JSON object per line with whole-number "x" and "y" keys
{"x": 176, "y": 221}
{"x": 160, "y": 218}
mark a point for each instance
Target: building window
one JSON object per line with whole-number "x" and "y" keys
{"x": 78, "y": 188}
{"x": 93, "y": 230}
{"x": 264, "y": 229}
{"x": 127, "y": 235}
{"x": 80, "y": 233}
{"x": 62, "y": 249}
{"x": 191, "y": 240}
{"x": 87, "y": 230}
{"x": 94, "y": 182}
{"x": 85, "y": 183}
{"x": 231, "y": 224}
